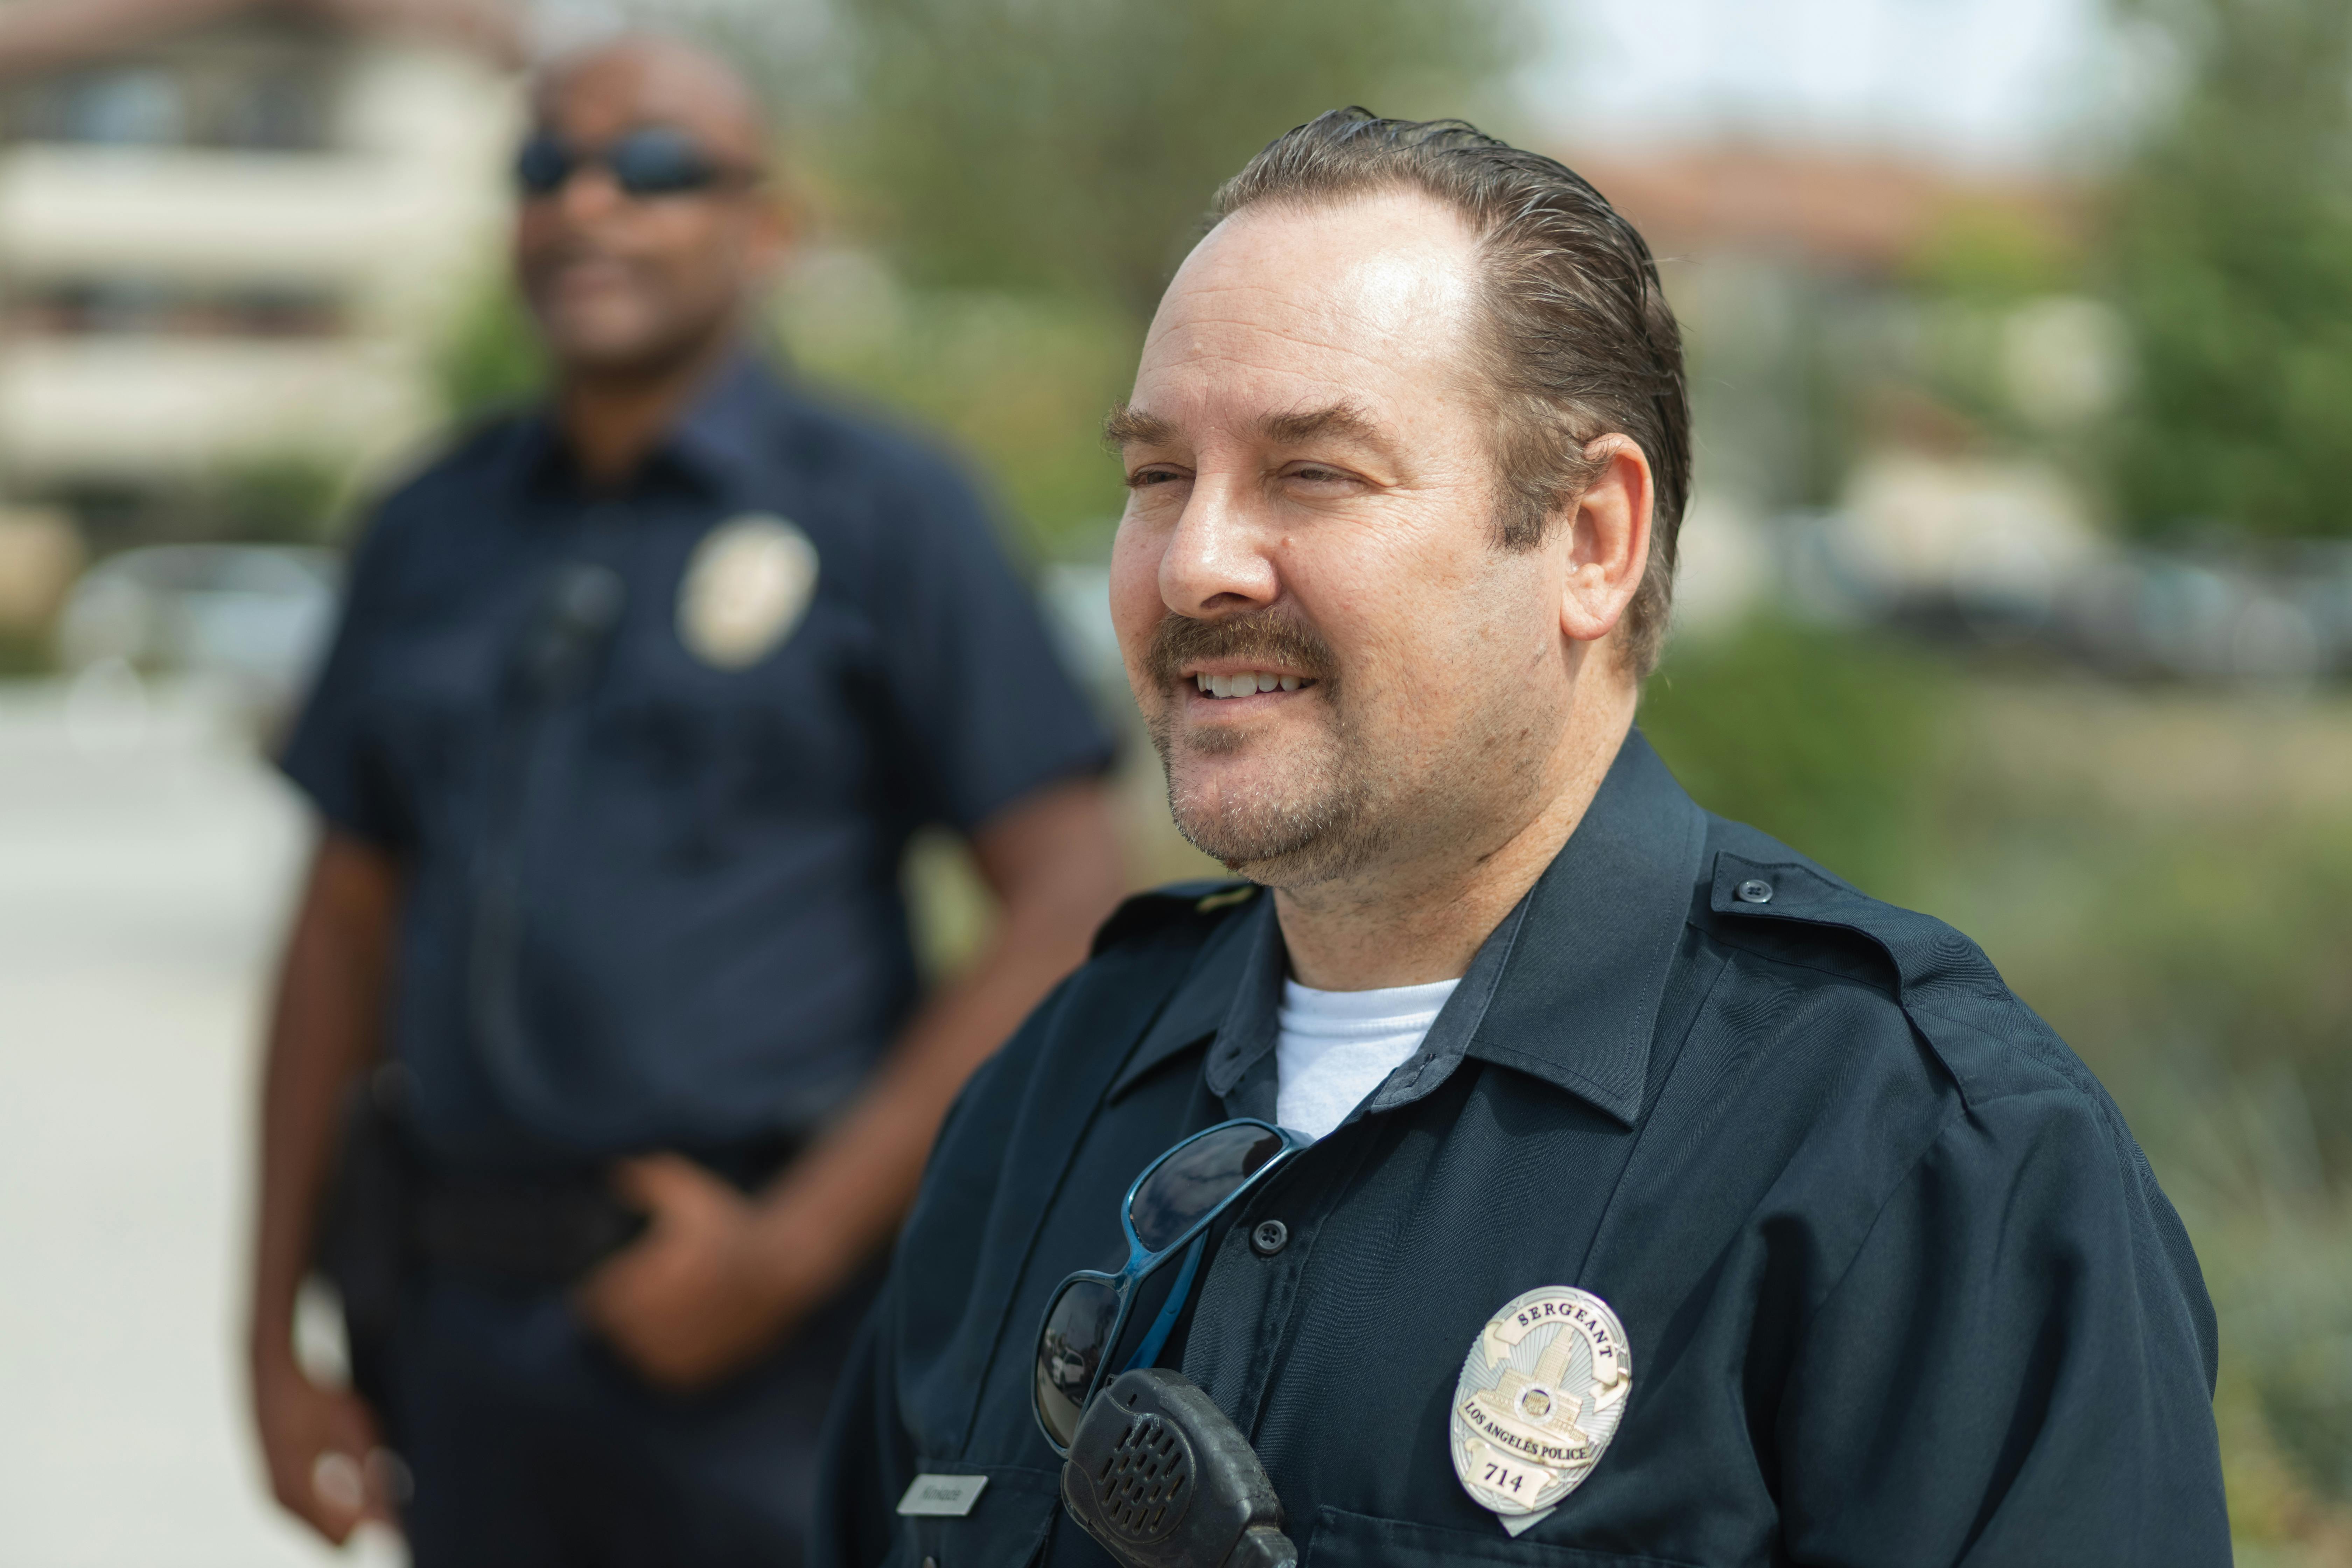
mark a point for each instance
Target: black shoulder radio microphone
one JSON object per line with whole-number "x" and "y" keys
{"x": 1161, "y": 1477}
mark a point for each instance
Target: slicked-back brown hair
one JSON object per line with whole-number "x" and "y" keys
{"x": 1582, "y": 342}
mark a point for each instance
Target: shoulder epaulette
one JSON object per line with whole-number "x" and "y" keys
{"x": 1147, "y": 913}
{"x": 1928, "y": 956}
{"x": 1943, "y": 982}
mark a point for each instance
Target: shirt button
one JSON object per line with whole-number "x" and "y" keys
{"x": 1752, "y": 891}
{"x": 1270, "y": 1237}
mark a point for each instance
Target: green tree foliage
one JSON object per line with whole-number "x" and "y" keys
{"x": 490, "y": 358}
{"x": 2230, "y": 250}
{"x": 1072, "y": 145}
{"x": 287, "y": 498}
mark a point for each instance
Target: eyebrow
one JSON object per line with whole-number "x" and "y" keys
{"x": 1341, "y": 419}
{"x": 1129, "y": 426}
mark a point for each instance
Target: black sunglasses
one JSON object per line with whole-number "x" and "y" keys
{"x": 1171, "y": 1206}
{"x": 652, "y": 160}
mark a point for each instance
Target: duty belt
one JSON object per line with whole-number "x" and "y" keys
{"x": 549, "y": 1230}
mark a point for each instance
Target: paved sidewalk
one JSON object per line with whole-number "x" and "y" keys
{"x": 145, "y": 857}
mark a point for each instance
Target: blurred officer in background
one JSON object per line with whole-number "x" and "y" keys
{"x": 596, "y": 1045}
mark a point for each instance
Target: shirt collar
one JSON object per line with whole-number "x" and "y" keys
{"x": 726, "y": 433}
{"x": 1585, "y": 966}
{"x": 719, "y": 443}
{"x": 1231, "y": 964}
{"x": 1566, "y": 989}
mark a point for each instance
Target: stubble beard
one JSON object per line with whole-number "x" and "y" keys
{"x": 1319, "y": 819}
{"x": 1317, "y": 823}
{"x": 1337, "y": 805}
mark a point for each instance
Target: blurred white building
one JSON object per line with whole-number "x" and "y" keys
{"x": 233, "y": 232}
{"x": 1817, "y": 422}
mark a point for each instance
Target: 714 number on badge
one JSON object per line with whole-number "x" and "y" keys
{"x": 1503, "y": 1478}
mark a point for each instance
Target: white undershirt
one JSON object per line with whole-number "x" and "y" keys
{"x": 1336, "y": 1047}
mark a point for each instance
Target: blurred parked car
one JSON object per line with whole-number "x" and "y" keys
{"x": 252, "y": 619}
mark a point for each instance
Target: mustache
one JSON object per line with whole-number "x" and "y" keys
{"x": 1275, "y": 637}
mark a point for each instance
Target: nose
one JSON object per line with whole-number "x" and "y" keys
{"x": 590, "y": 193}
{"x": 1216, "y": 563}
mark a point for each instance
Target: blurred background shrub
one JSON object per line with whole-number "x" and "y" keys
{"x": 1825, "y": 739}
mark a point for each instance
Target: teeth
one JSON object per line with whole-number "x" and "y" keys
{"x": 1248, "y": 683}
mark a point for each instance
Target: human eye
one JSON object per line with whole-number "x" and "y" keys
{"x": 1320, "y": 476}
{"x": 1144, "y": 478}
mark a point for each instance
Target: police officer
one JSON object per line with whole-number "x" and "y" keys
{"x": 1559, "y": 1174}
{"x": 633, "y": 707}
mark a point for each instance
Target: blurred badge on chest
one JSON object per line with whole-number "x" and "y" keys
{"x": 746, "y": 587}
{"x": 1539, "y": 1396}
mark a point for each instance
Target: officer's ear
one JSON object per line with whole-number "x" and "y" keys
{"x": 1606, "y": 536}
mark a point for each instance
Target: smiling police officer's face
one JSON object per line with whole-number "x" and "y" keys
{"x": 624, "y": 284}
{"x": 1343, "y": 668}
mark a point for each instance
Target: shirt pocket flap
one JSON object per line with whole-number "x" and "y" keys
{"x": 1344, "y": 1540}
{"x": 1005, "y": 1529}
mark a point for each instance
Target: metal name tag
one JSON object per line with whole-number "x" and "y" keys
{"x": 942, "y": 1497}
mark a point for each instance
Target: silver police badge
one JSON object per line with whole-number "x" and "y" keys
{"x": 746, "y": 587}
{"x": 1539, "y": 1397}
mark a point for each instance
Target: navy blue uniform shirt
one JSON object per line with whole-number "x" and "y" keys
{"x": 653, "y": 898}
{"x": 1898, "y": 1286}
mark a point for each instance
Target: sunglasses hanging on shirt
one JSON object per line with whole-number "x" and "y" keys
{"x": 652, "y": 160}
{"x": 1167, "y": 1213}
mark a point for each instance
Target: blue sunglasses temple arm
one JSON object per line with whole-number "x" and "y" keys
{"x": 1164, "y": 1324}
{"x": 1148, "y": 1352}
